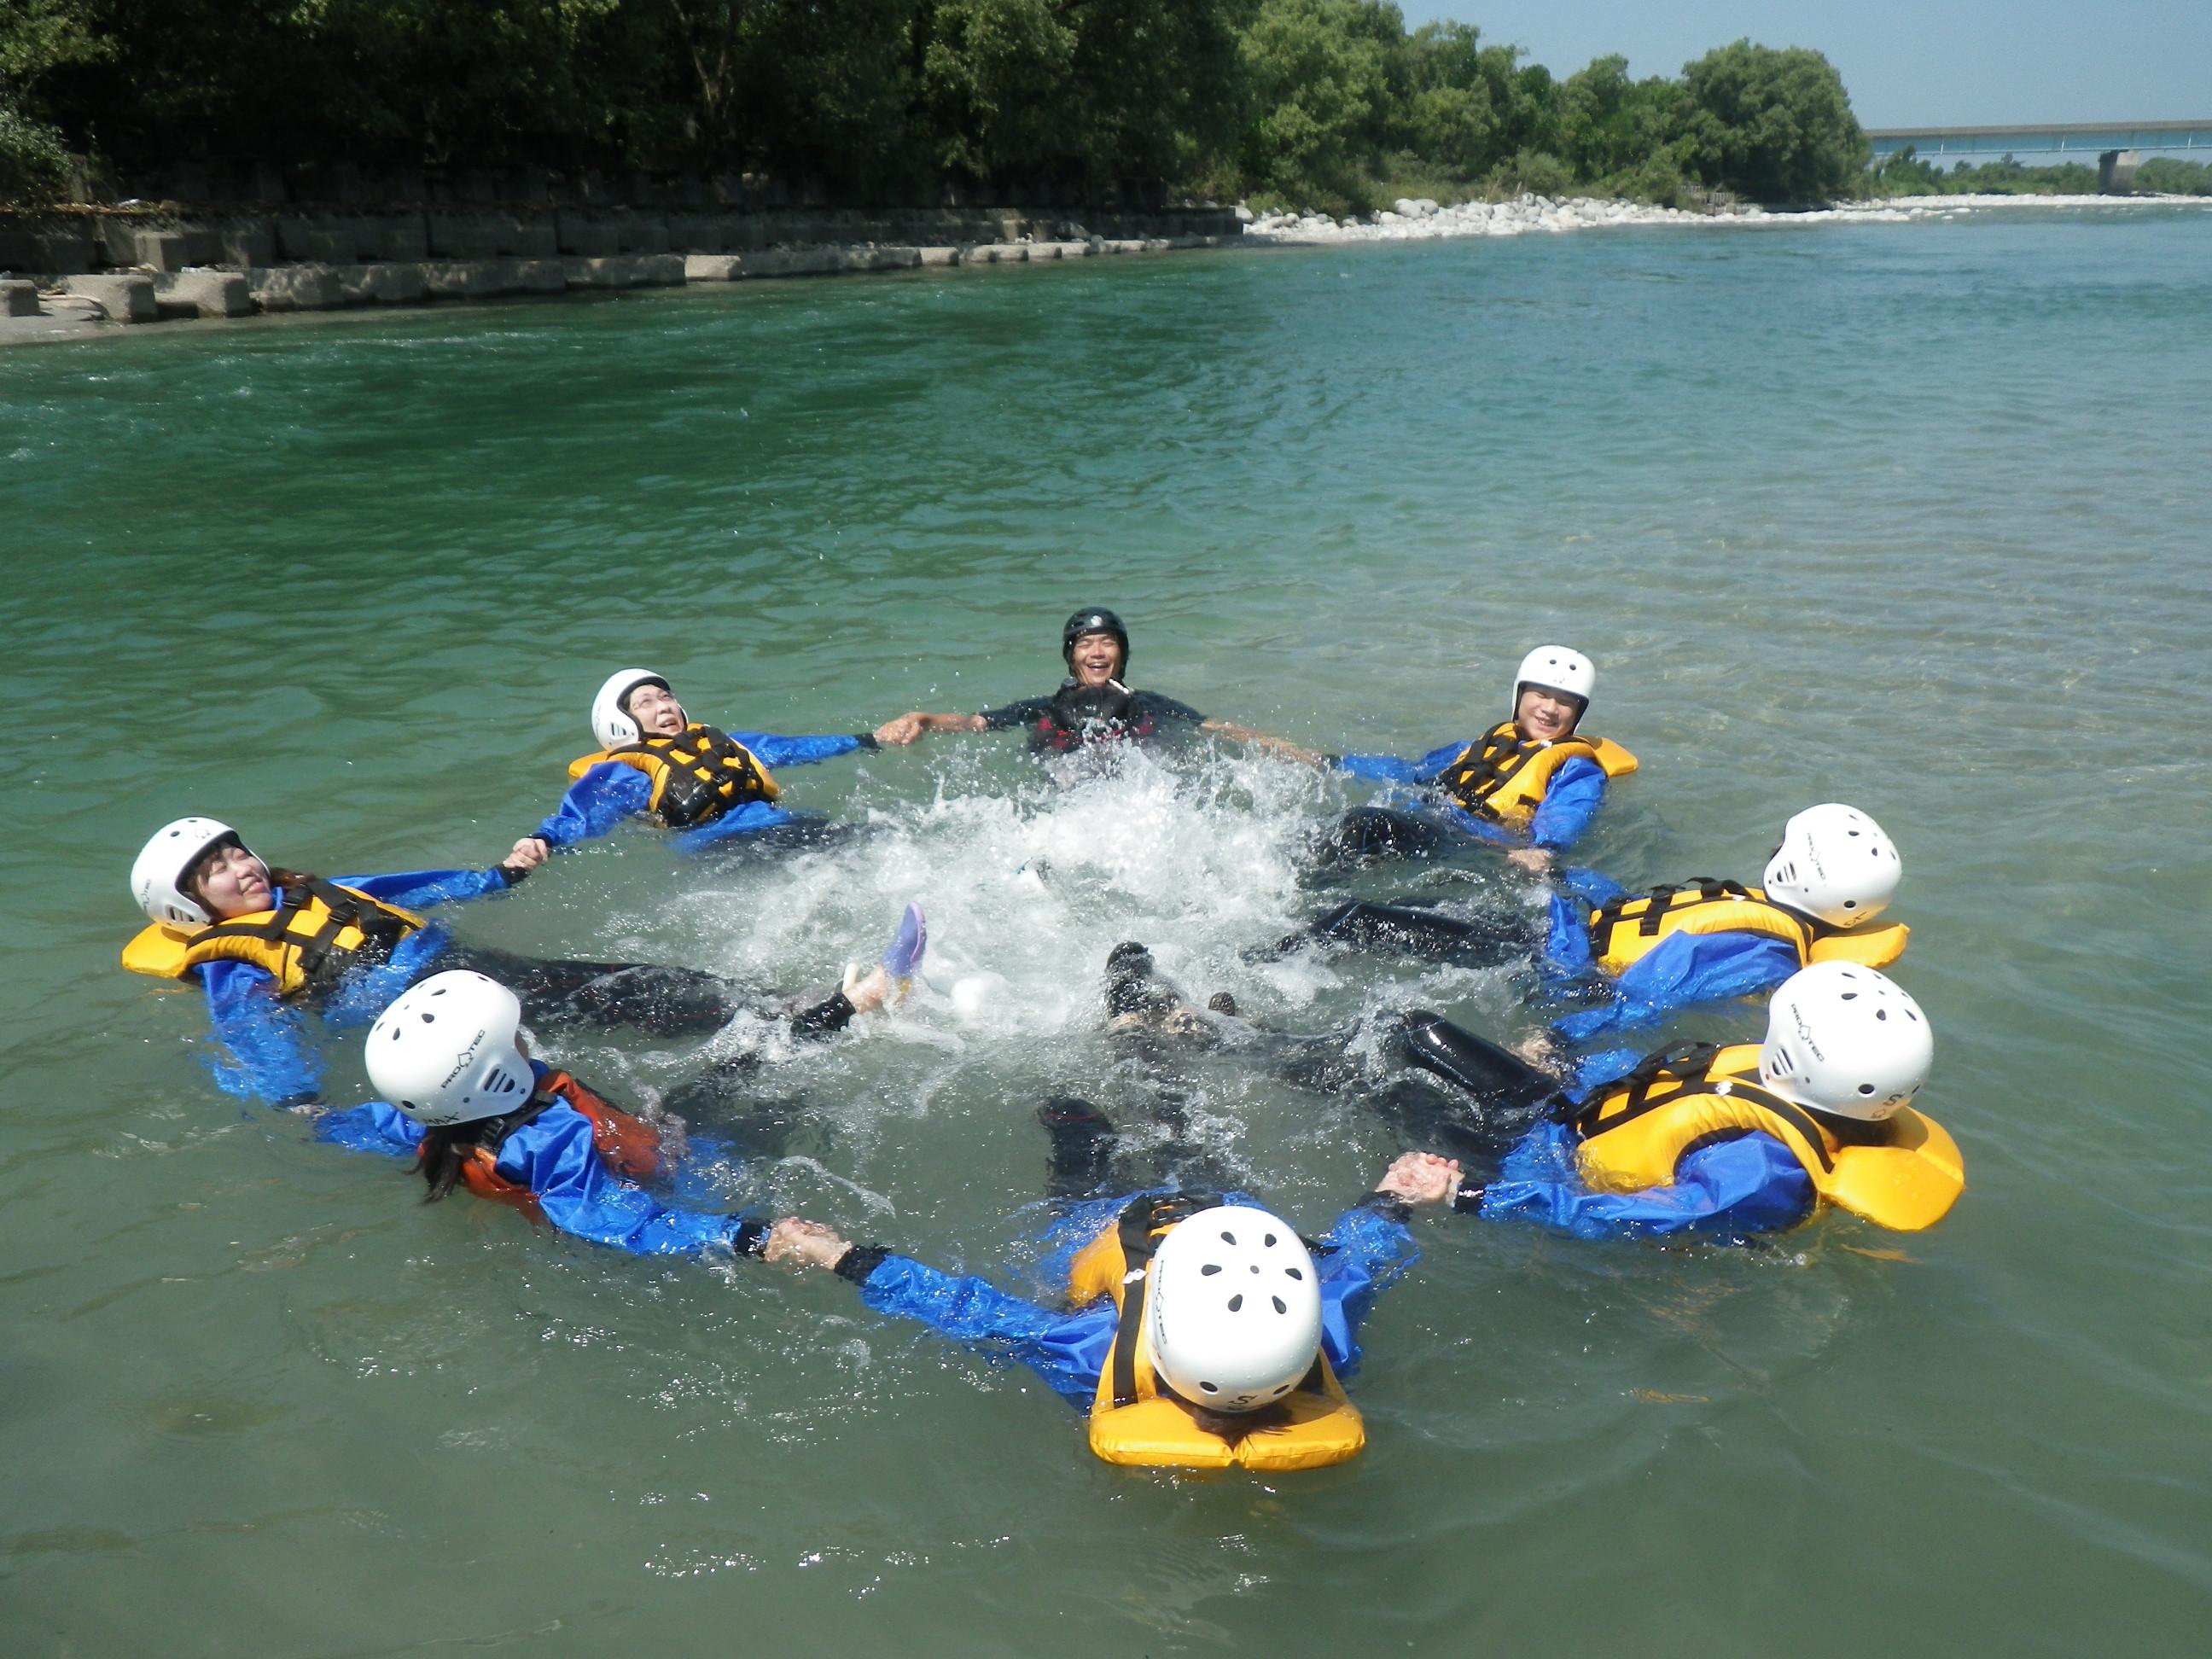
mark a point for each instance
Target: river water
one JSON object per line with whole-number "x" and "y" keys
{"x": 1912, "y": 516}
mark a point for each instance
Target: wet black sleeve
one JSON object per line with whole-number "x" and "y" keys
{"x": 1027, "y": 712}
{"x": 1168, "y": 708}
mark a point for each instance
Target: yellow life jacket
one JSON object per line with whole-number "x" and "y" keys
{"x": 1134, "y": 1420}
{"x": 1903, "y": 1172}
{"x": 306, "y": 944}
{"x": 1502, "y": 778}
{"x": 697, "y": 775}
{"x": 1625, "y": 929}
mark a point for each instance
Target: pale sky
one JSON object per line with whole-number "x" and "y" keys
{"x": 1906, "y": 62}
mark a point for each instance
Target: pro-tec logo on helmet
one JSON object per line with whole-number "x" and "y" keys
{"x": 1805, "y": 1033}
{"x": 468, "y": 1058}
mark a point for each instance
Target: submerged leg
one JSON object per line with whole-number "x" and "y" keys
{"x": 1490, "y": 1073}
{"x": 1488, "y": 940}
{"x": 665, "y": 1000}
{"x": 799, "y": 834}
{"x": 1493, "y": 1100}
{"x": 1082, "y": 1156}
{"x": 1378, "y": 832}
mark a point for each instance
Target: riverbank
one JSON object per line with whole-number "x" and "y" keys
{"x": 1422, "y": 220}
{"x": 66, "y": 276}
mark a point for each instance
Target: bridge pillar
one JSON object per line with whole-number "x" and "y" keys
{"x": 2115, "y": 172}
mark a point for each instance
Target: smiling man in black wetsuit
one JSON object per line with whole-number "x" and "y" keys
{"x": 1092, "y": 704}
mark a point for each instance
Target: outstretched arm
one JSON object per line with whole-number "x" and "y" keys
{"x": 1732, "y": 1188}
{"x": 1369, "y": 1246}
{"x": 1282, "y": 746}
{"x": 1068, "y": 1350}
{"x": 777, "y": 752}
{"x": 1680, "y": 971}
{"x": 606, "y": 795}
{"x": 906, "y": 728}
{"x": 418, "y": 890}
{"x": 554, "y": 1157}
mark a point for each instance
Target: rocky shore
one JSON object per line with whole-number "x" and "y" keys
{"x": 1412, "y": 219}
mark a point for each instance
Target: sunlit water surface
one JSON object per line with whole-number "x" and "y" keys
{"x": 1909, "y": 516}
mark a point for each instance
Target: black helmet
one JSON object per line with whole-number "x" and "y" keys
{"x": 1094, "y": 621}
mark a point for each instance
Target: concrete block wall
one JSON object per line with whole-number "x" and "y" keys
{"x": 141, "y": 266}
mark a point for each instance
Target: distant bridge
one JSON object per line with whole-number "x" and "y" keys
{"x": 2118, "y": 148}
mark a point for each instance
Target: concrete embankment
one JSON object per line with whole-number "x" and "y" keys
{"x": 66, "y": 274}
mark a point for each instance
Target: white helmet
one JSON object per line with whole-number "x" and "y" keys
{"x": 611, "y": 721}
{"x": 157, "y": 878}
{"x": 1844, "y": 1039}
{"x": 1834, "y": 863}
{"x": 1557, "y": 669}
{"x": 1234, "y": 1308}
{"x": 445, "y": 1052}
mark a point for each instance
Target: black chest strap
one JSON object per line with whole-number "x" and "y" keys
{"x": 1139, "y": 1221}
{"x": 1658, "y": 902}
{"x": 380, "y": 929}
{"x": 1661, "y": 1079}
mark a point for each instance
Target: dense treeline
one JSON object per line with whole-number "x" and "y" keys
{"x": 1329, "y": 103}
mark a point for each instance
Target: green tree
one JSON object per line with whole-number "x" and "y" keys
{"x": 1775, "y": 126}
{"x": 1319, "y": 73}
{"x": 1609, "y": 124}
{"x": 38, "y": 38}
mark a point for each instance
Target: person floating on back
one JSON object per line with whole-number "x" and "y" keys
{"x": 1676, "y": 945}
{"x": 264, "y": 943}
{"x": 1092, "y": 705}
{"x": 476, "y": 1112}
{"x": 1534, "y": 782}
{"x": 1199, "y": 1330}
{"x": 1723, "y": 1141}
{"x": 655, "y": 762}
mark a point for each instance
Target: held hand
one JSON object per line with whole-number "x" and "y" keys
{"x": 905, "y": 729}
{"x": 529, "y": 853}
{"x": 805, "y": 1243}
{"x": 1539, "y": 1050}
{"x": 1420, "y": 1178}
{"x": 1536, "y": 861}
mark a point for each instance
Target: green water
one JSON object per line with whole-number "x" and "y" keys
{"x": 1912, "y": 516}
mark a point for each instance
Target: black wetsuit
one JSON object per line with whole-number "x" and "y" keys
{"x": 1474, "y": 1103}
{"x": 1077, "y": 715}
{"x": 1490, "y": 938}
{"x": 667, "y": 1001}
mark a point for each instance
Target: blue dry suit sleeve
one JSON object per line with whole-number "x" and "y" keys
{"x": 1751, "y": 1184}
{"x": 603, "y": 797}
{"x": 1372, "y": 1249}
{"x": 1068, "y": 1350}
{"x": 1389, "y": 768}
{"x": 1681, "y": 970}
{"x": 417, "y": 889}
{"x": 268, "y": 1055}
{"x": 776, "y": 752}
{"x": 373, "y": 1127}
{"x": 553, "y": 1155}
{"x": 1570, "y": 801}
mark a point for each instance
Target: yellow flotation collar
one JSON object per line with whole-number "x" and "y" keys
{"x": 1904, "y": 1172}
{"x": 697, "y": 775}
{"x": 1503, "y": 777}
{"x": 1133, "y": 1420}
{"x": 315, "y": 933}
{"x": 1625, "y": 929}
